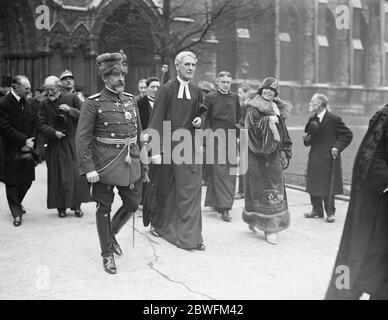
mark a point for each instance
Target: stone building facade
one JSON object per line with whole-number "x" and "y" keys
{"x": 337, "y": 47}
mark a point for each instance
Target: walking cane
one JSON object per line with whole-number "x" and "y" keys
{"x": 133, "y": 230}
{"x": 331, "y": 186}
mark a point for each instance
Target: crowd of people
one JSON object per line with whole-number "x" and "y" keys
{"x": 114, "y": 139}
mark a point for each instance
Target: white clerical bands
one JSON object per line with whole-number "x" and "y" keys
{"x": 184, "y": 86}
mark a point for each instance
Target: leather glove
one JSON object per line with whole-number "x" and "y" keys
{"x": 284, "y": 160}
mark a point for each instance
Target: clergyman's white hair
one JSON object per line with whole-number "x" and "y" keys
{"x": 181, "y": 55}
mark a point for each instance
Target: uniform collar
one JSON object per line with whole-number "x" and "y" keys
{"x": 111, "y": 94}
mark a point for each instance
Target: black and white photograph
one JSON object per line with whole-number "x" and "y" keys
{"x": 204, "y": 153}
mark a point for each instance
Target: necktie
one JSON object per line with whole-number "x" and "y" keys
{"x": 21, "y": 103}
{"x": 151, "y": 101}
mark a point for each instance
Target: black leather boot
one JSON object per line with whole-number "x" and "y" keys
{"x": 104, "y": 231}
{"x": 115, "y": 247}
{"x": 119, "y": 219}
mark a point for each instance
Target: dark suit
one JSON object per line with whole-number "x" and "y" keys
{"x": 331, "y": 133}
{"x": 144, "y": 111}
{"x": 17, "y": 124}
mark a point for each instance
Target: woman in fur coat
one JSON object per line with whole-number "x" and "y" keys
{"x": 269, "y": 152}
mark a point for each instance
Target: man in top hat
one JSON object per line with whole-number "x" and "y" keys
{"x": 67, "y": 80}
{"x": 108, "y": 141}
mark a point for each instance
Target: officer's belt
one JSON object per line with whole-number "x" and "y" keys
{"x": 126, "y": 141}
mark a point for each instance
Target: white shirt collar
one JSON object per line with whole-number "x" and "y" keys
{"x": 151, "y": 101}
{"x": 184, "y": 86}
{"x": 182, "y": 81}
{"x": 15, "y": 95}
{"x": 321, "y": 115}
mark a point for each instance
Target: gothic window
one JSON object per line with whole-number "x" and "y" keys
{"x": 290, "y": 43}
{"x": 326, "y": 43}
{"x": 359, "y": 41}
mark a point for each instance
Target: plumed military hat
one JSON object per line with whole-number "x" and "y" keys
{"x": 109, "y": 62}
{"x": 269, "y": 83}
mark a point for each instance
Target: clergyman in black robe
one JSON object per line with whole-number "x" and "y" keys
{"x": 57, "y": 121}
{"x": 223, "y": 114}
{"x": 178, "y": 104}
{"x": 361, "y": 266}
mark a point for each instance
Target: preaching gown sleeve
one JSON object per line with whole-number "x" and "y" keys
{"x": 158, "y": 114}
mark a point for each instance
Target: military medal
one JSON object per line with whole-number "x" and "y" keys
{"x": 128, "y": 115}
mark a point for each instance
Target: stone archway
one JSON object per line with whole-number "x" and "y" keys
{"x": 291, "y": 40}
{"x": 124, "y": 28}
{"x": 17, "y": 38}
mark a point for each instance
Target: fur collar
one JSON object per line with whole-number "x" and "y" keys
{"x": 265, "y": 107}
{"x": 368, "y": 145}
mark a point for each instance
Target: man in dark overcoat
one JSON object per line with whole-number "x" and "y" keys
{"x": 328, "y": 136}
{"x": 108, "y": 148}
{"x": 18, "y": 130}
{"x": 146, "y": 105}
{"x": 57, "y": 122}
{"x": 361, "y": 267}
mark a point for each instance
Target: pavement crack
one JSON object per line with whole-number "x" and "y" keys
{"x": 152, "y": 266}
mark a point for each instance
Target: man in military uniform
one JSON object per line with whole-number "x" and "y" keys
{"x": 67, "y": 80}
{"x": 108, "y": 140}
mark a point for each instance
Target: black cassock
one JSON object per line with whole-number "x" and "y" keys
{"x": 223, "y": 113}
{"x": 362, "y": 260}
{"x": 65, "y": 186}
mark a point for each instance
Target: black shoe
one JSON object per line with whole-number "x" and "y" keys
{"x": 17, "y": 221}
{"x": 78, "y": 213}
{"x": 154, "y": 232}
{"x": 62, "y": 213}
{"x": 225, "y": 216}
{"x": 200, "y": 247}
{"x": 24, "y": 211}
{"x": 116, "y": 247}
{"x": 109, "y": 264}
{"x": 239, "y": 195}
{"x": 313, "y": 214}
{"x": 330, "y": 218}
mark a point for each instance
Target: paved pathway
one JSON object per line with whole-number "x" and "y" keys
{"x": 52, "y": 258}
